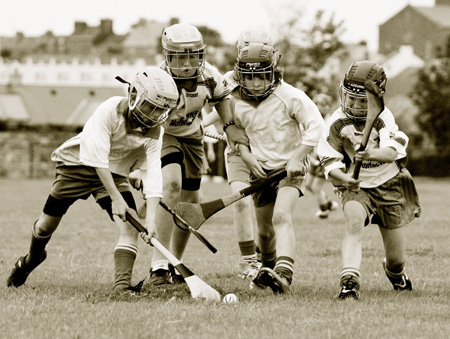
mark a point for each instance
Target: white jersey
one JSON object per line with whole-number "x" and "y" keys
{"x": 107, "y": 141}
{"x": 337, "y": 147}
{"x": 278, "y": 125}
{"x": 186, "y": 118}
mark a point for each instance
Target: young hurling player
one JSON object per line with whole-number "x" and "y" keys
{"x": 120, "y": 135}
{"x": 238, "y": 173}
{"x": 384, "y": 194}
{"x": 182, "y": 152}
{"x": 283, "y": 126}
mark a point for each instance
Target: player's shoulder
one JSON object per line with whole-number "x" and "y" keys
{"x": 338, "y": 119}
{"x": 230, "y": 78}
{"x": 211, "y": 71}
{"x": 287, "y": 91}
{"x": 386, "y": 114}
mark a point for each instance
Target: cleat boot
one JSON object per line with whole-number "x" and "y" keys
{"x": 400, "y": 284}
{"x": 20, "y": 272}
{"x": 349, "y": 288}
{"x": 159, "y": 277}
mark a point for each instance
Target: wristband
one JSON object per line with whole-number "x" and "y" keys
{"x": 228, "y": 124}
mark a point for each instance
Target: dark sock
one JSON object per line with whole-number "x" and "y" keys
{"x": 37, "y": 248}
{"x": 124, "y": 257}
{"x": 269, "y": 259}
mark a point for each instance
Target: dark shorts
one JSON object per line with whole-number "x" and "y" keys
{"x": 269, "y": 193}
{"x": 188, "y": 152}
{"x": 80, "y": 182}
{"x": 391, "y": 205}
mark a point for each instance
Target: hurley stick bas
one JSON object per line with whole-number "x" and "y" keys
{"x": 199, "y": 289}
{"x": 195, "y": 214}
{"x": 375, "y": 105}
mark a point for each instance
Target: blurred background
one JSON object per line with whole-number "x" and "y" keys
{"x": 58, "y": 61}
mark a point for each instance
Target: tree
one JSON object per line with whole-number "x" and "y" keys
{"x": 307, "y": 46}
{"x": 430, "y": 94}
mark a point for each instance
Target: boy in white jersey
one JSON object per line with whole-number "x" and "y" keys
{"x": 283, "y": 126}
{"x": 238, "y": 174}
{"x": 182, "y": 153}
{"x": 384, "y": 194}
{"x": 121, "y": 134}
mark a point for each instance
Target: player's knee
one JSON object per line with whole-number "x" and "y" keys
{"x": 354, "y": 225}
{"x": 281, "y": 218}
{"x": 242, "y": 206}
{"x": 172, "y": 188}
{"x": 266, "y": 234}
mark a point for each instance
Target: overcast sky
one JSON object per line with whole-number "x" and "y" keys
{"x": 229, "y": 17}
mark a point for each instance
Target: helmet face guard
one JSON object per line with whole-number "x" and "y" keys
{"x": 255, "y": 70}
{"x": 352, "y": 93}
{"x": 256, "y": 79}
{"x": 146, "y": 114}
{"x": 152, "y": 95}
{"x": 185, "y": 65}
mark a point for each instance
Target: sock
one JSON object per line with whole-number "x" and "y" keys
{"x": 269, "y": 259}
{"x": 247, "y": 247}
{"x": 37, "y": 247}
{"x": 395, "y": 274}
{"x": 124, "y": 257}
{"x": 350, "y": 273}
{"x": 258, "y": 253}
{"x": 160, "y": 264}
{"x": 248, "y": 251}
{"x": 285, "y": 266}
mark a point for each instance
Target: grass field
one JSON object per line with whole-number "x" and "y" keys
{"x": 68, "y": 296}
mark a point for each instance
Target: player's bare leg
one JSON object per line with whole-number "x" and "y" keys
{"x": 245, "y": 233}
{"x": 352, "y": 249}
{"x": 165, "y": 224}
{"x": 394, "y": 264}
{"x": 42, "y": 231}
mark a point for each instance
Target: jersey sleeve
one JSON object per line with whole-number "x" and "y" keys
{"x": 96, "y": 136}
{"x": 217, "y": 83}
{"x": 307, "y": 114}
{"x": 391, "y": 136}
{"x": 329, "y": 149}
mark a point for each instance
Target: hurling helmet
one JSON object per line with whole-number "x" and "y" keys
{"x": 184, "y": 51}
{"x": 152, "y": 94}
{"x": 255, "y": 70}
{"x": 254, "y": 34}
{"x": 352, "y": 87}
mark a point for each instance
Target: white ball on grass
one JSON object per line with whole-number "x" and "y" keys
{"x": 230, "y": 298}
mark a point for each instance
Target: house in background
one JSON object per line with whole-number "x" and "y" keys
{"x": 423, "y": 28}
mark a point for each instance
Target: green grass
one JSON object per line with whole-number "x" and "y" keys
{"x": 68, "y": 296}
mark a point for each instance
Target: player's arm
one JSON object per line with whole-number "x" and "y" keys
{"x": 345, "y": 178}
{"x": 296, "y": 166}
{"x": 386, "y": 154}
{"x": 235, "y": 134}
{"x": 251, "y": 161}
{"x": 152, "y": 184}
{"x": 119, "y": 206}
{"x": 210, "y": 116}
